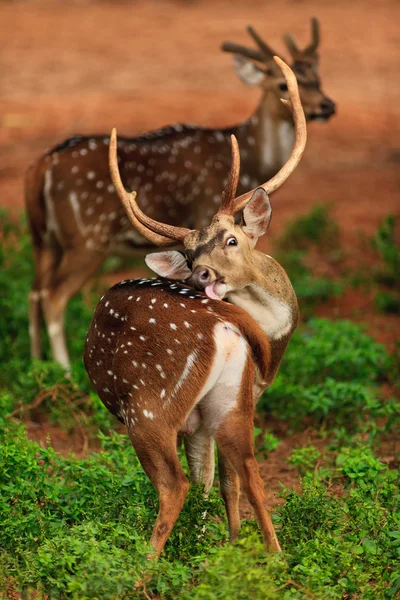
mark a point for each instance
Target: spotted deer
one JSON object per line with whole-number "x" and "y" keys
{"x": 76, "y": 218}
{"x": 168, "y": 357}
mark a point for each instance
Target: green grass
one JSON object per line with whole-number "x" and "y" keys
{"x": 78, "y": 528}
{"x": 386, "y": 243}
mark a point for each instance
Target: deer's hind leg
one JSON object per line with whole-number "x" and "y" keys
{"x": 199, "y": 449}
{"x": 235, "y": 443}
{"x": 230, "y": 490}
{"x": 157, "y": 453}
{"x": 75, "y": 268}
{"x": 46, "y": 259}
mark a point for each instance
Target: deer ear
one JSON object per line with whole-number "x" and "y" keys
{"x": 257, "y": 215}
{"x": 247, "y": 71}
{"x": 170, "y": 264}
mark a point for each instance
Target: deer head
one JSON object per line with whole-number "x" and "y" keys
{"x": 257, "y": 67}
{"x": 219, "y": 258}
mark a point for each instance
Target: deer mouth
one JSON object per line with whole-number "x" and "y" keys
{"x": 321, "y": 117}
{"x": 216, "y": 290}
{"x": 324, "y": 114}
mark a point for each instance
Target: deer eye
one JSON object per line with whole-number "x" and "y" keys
{"x": 283, "y": 87}
{"x": 231, "y": 242}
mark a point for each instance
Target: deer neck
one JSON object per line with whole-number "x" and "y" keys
{"x": 271, "y": 133}
{"x": 271, "y": 301}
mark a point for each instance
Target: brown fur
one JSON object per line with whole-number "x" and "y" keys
{"x": 244, "y": 270}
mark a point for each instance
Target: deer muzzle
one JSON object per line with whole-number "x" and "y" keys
{"x": 327, "y": 110}
{"x": 208, "y": 280}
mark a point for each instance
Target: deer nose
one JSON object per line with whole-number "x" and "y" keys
{"x": 328, "y": 107}
{"x": 202, "y": 276}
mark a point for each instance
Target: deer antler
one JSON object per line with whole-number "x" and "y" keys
{"x": 294, "y": 104}
{"x": 238, "y": 49}
{"x": 291, "y": 44}
{"x": 264, "y": 54}
{"x": 311, "y": 49}
{"x": 159, "y": 234}
{"x": 228, "y": 195}
{"x": 266, "y": 51}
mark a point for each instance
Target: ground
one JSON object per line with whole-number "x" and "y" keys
{"x": 85, "y": 67}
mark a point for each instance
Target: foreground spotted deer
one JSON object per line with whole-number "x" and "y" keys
{"x": 168, "y": 357}
{"x": 74, "y": 213}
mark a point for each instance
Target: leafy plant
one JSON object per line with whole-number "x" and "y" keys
{"x": 41, "y": 386}
{"x": 386, "y": 243}
{"x": 328, "y": 375}
{"x": 265, "y": 441}
{"x": 305, "y": 459}
{"x": 316, "y": 232}
{"x": 316, "y": 227}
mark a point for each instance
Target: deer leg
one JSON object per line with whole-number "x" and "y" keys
{"x": 230, "y": 490}
{"x": 161, "y": 464}
{"x": 35, "y": 323}
{"x": 235, "y": 440}
{"x": 199, "y": 448}
{"x": 75, "y": 268}
{"x": 45, "y": 261}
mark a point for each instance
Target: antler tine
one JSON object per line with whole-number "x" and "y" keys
{"x": 312, "y": 47}
{"x": 266, "y": 51}
{"x": 228, "y": 195}
{"x": 296, "y": 108}
{"x": 238, "y": 49}
{"x": 159, "y": 234}
{"x": 291, "y": 44}
{"x": 126, "y": 198}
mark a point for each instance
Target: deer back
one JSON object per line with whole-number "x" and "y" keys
{"x": 153, "y": 345}
{"x": 178, "y": 172}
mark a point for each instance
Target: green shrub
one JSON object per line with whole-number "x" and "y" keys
{"x": 336, "y": 349}
{"x": 241, "y": 571}
{"x": 317, "y": 227}
{"x": 349, "y": 546}
{"x": 305, "y": 459}
{"x": 316, "y": 231}
{"x": 79, "y": 528}
{"x": 327, "y": 374}
{"x": 265, "y": 441}
{"x": 41, "y": 384}
{"x": 67, "y": 522}
{"x": 386, "y": 243}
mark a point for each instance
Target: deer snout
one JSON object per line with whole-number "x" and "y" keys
{"x": 202, "y": 276}
{"x": 328, "y": 107}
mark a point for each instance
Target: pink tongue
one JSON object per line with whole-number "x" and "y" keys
{"x": 210, "y": 291}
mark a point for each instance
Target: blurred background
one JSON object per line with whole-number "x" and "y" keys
{"x": 82, "y": 67}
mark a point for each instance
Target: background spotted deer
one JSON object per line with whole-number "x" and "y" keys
{"x": 167, "y": 359}
{"x": 74, "y": 213}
